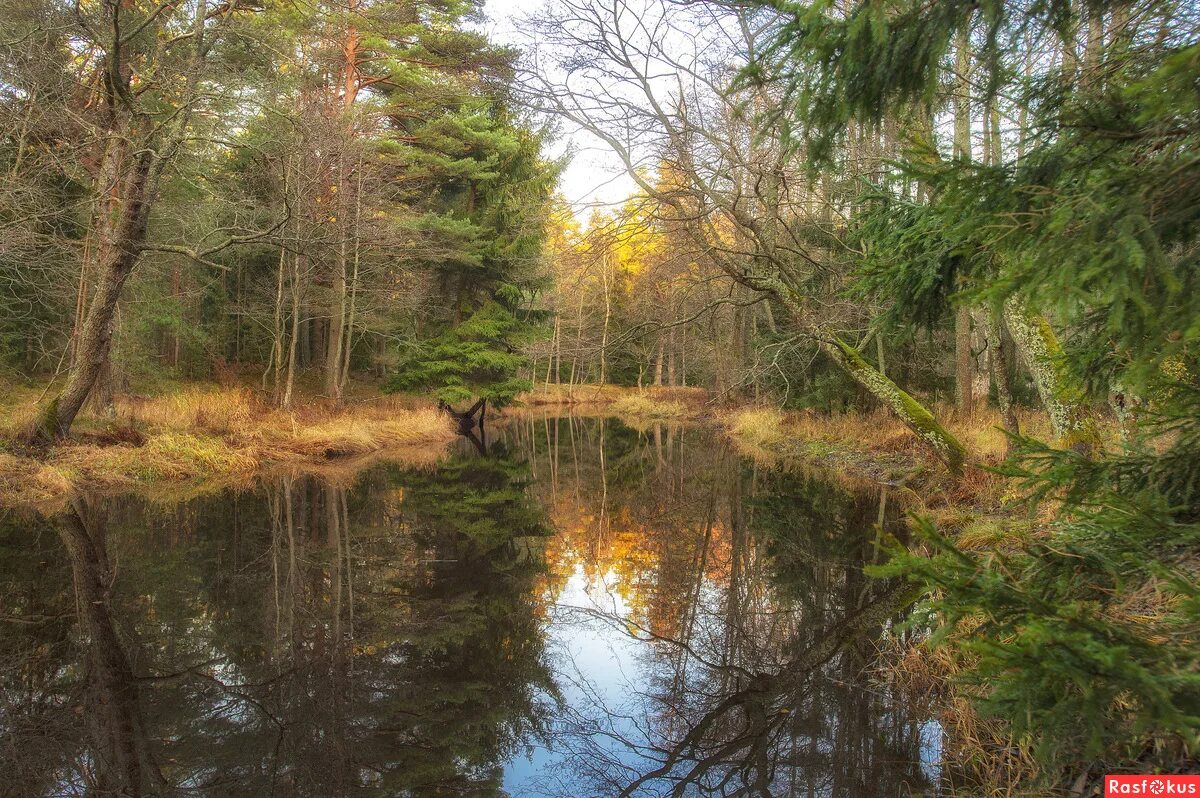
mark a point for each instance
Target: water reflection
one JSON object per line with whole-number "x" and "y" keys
{"x": 714, "y": 628}
{"x": 574, "y": 608}
{"x": 300, "y": 640}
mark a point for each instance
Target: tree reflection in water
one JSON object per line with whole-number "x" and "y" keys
{"x": 578, "y": 608}
{"x": 742, "y": 636}
{"x": 300, "y": 640}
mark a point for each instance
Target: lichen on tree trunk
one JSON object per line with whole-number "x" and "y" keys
{"x": 1000, "y": 369}
{"x": 912, "y": 413}
{"x": 1060, "y": 392}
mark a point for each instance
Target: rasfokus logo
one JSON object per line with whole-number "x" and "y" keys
{"x": 1151, "y": 785}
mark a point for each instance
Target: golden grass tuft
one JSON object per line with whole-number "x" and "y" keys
{"x": 213, "y": 433}
{"x": 591, "y": 394}
{"x": 757, "y": 426}
{"x": 363, "y": 432}
{"x": 166, "y": 456}
{"x": 640, "y": 405}
{"x": 30, "y": 482}
{"x": 214, "y": 410}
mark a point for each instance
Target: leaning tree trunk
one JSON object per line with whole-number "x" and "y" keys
{"x": 128, "y": 237}
{"x": 914, "y": 415}
{"x": 1060, "y": 393}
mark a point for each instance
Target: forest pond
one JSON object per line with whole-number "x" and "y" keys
{"x": 573, "y": 608}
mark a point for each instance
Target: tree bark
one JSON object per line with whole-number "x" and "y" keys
{"x": 55, "y": 417}
{"x": 658, "y": 363}
{"x": 135, "y": 153}
{"x": 998, "y": 359}
{"x": 671, "y": 358}
{"x": 964, "y": 377}
{"x": 607, "y": 314}
{"x": 1061, "y": 395}
{"x": 286, "y": 401}
{"x": 911, "y": 412}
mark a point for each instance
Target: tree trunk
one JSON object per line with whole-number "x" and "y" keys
{"x": 964, "y": 378}
{"x": 337, "y": 325}
{"x": 286, "y": 401}
{"x": 555, "y": 364}
{"x": 998, "y": 359}
{"x": 275, "y": 364}
{"x": 912, "y": 413}
{"x": 348, "y": 343}
{"x": 607, "y": 314}
{"x": 1060, "y": 394}
{"x": 118, "y": 258}
{"x": 671, "y": 358}
{"x": 658, "y": 363}
{"x": 907, "y": 409}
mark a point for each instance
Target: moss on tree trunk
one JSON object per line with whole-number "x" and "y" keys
{"x": 914, "y": 415}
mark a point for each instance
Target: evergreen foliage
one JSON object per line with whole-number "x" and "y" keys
{"x": 1084, "y": 638}
{"x": 476, "y": 359}
{"x": 489, "y": 218}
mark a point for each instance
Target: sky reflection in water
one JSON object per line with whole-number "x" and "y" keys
{"x": 584, "y": 609}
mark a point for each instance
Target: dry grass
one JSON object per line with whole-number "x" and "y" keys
{"x": 361, "y": 433}
{"x": 877, "y": 445}
{"x": 201, "y": 433}
{"x": 314, "y": 429}
{"x": 641, "y": 405}
{"x": 758, "y": 426}
{"x": 589, "y": 394}
{"x": 982, "y": 748}
{"x": 24, "y": 481}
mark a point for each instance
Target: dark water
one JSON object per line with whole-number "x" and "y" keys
{"x": 584, "y": 610}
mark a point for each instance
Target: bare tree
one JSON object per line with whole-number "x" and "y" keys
{"x": 652, "y": 81}
{"x": 147, "y": 80}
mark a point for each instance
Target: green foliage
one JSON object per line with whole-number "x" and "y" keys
{"x": 1083, "y": 637}
{"x": 488, "y": 218}
{"x": 839, "y": 63}
{"x": 478, "y": 358}
{"x": 1064, "y": 639}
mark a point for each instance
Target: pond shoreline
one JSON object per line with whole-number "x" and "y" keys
{"x": 203, "y": 438}
{"x": 206, "y": 438}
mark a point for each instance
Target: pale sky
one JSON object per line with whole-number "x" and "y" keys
{"x": 595, "y": 176}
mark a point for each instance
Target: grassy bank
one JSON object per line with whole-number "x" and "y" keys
{"x": 202, "y": 433}
{"x": 651, "y": 401}
{"x": 877, "y": 446}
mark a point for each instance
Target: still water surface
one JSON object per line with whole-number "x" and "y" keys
{"x": 577, "y": 609}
